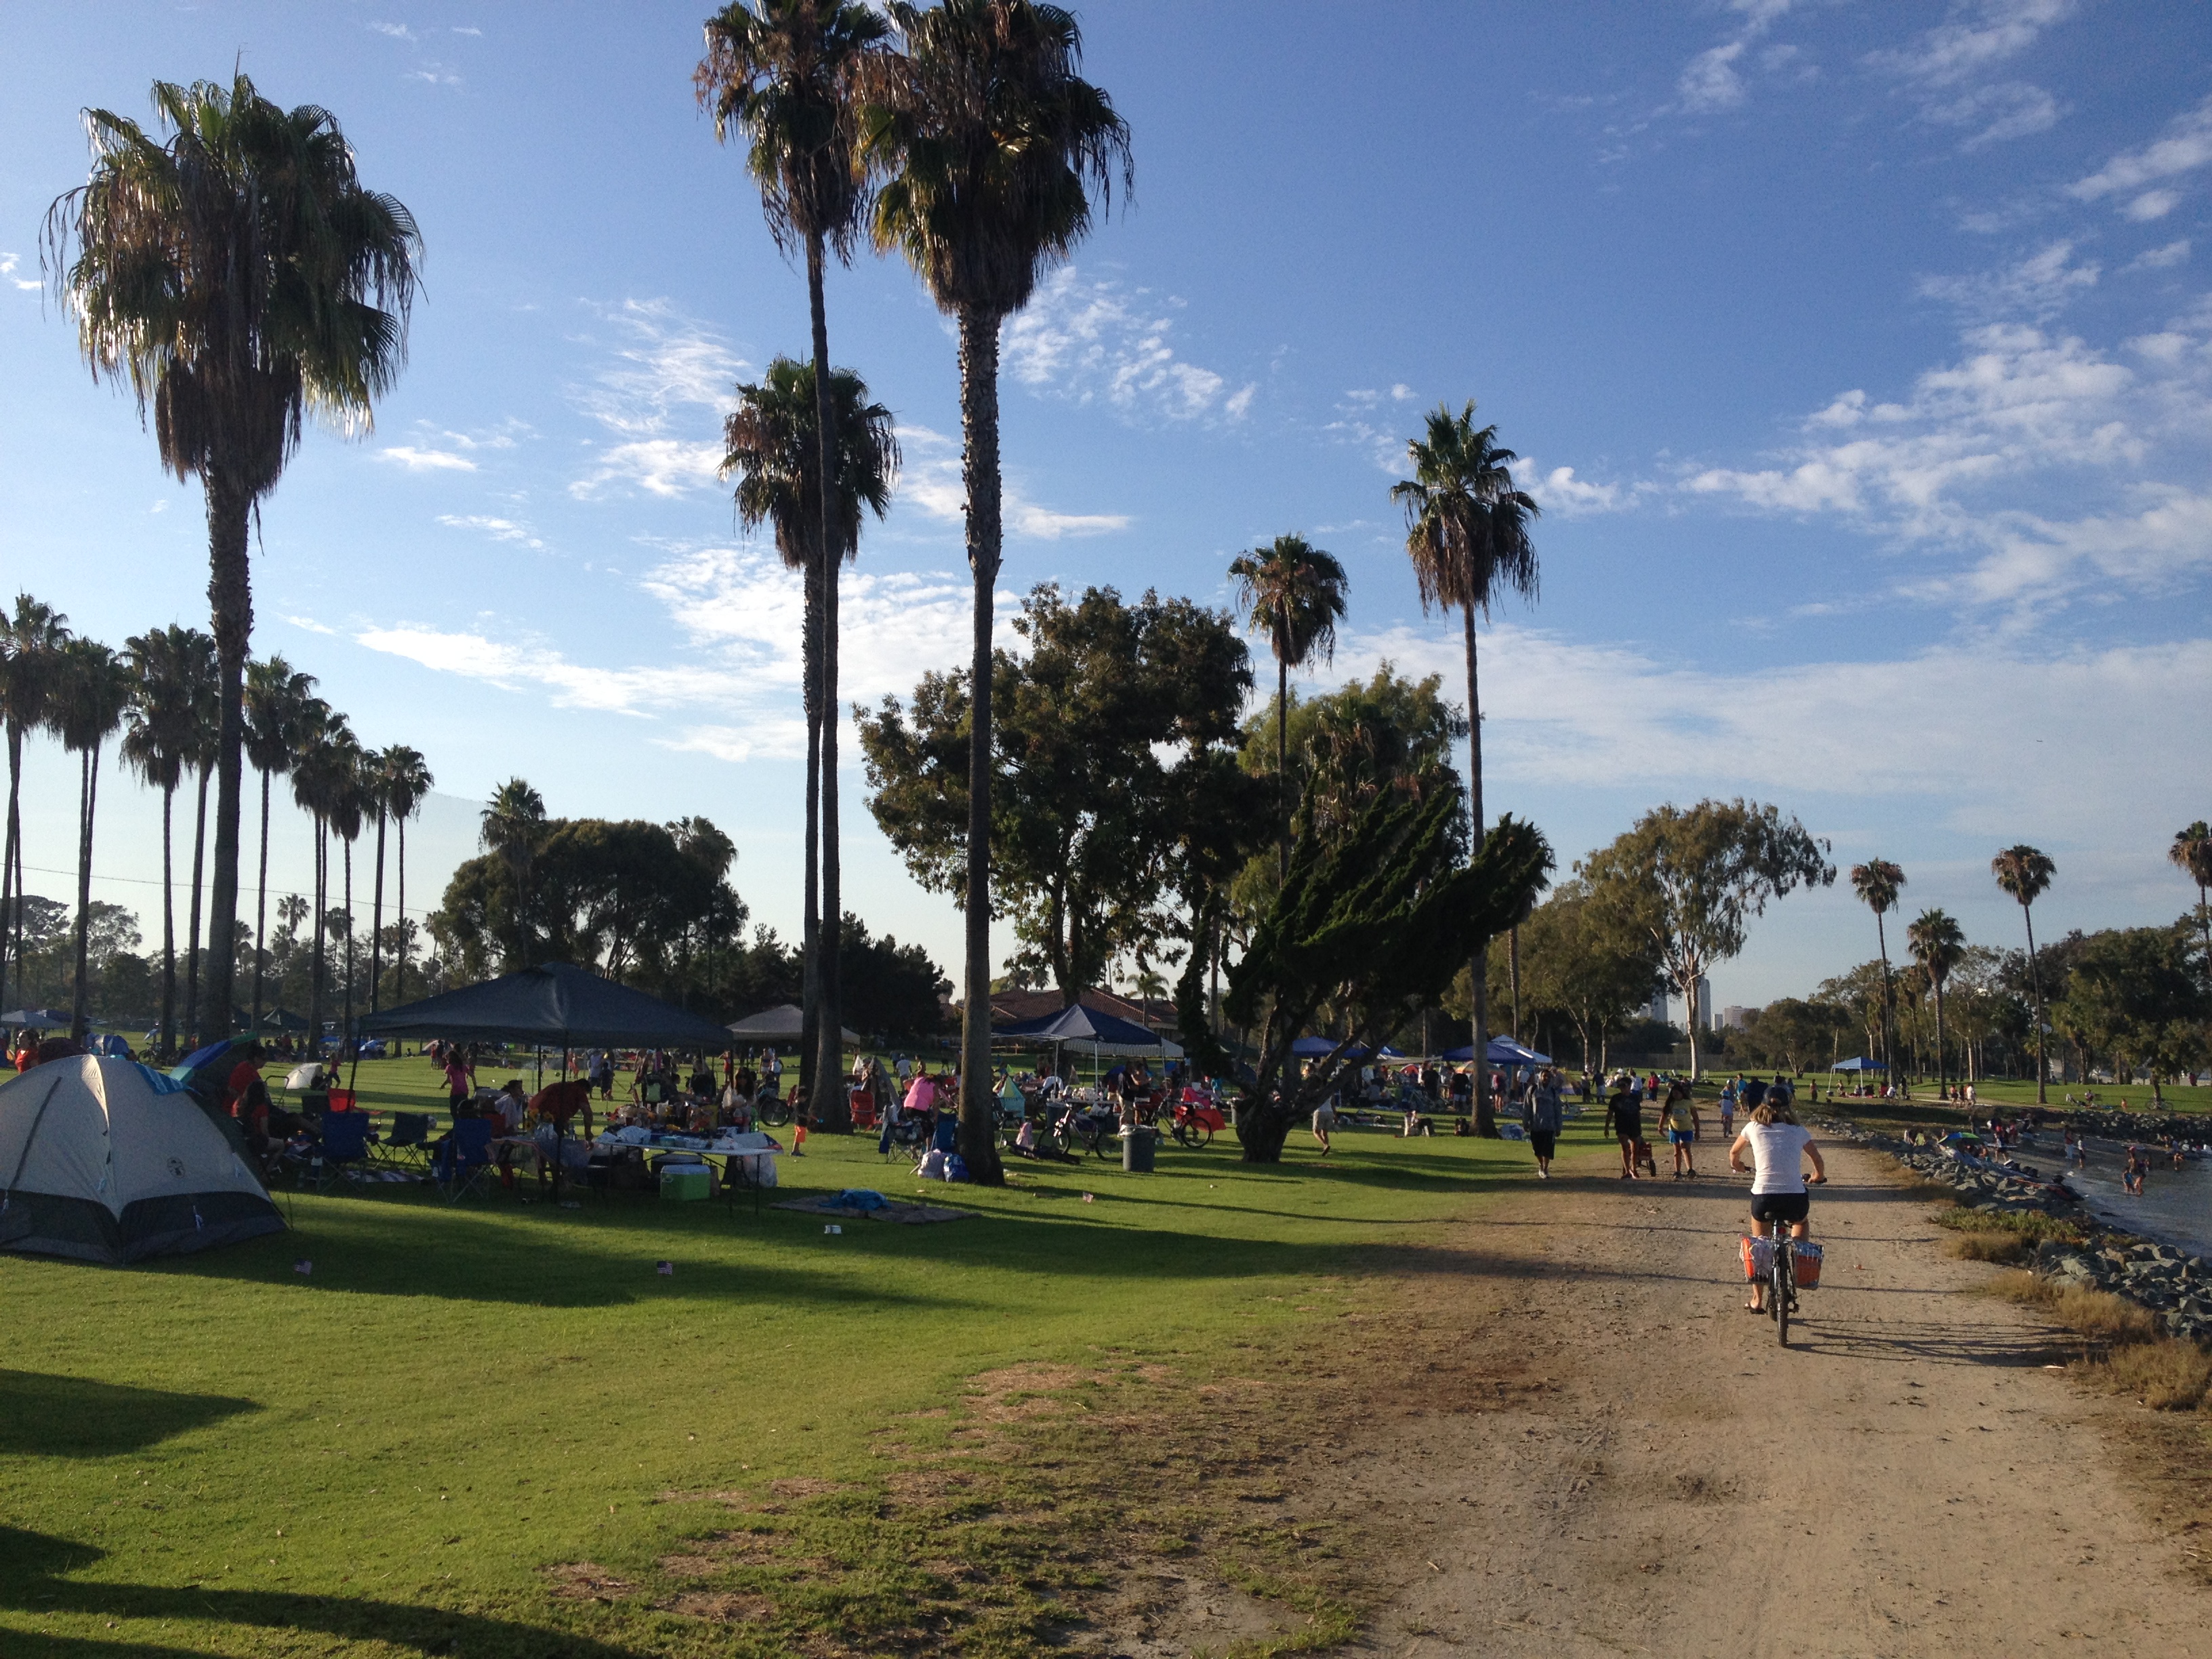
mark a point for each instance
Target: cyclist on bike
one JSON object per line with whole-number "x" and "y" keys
{"x": 1779, "y": 1150}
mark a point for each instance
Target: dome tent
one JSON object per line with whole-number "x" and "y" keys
{"x": 106, "y": 1161}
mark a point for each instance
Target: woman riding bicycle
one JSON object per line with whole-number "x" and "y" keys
{"x": 1779, "y": 1149}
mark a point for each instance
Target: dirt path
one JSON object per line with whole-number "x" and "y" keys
{"x": 1593, "y": 1452}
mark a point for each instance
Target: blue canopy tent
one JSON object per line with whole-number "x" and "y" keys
{"x": 1503, "y": 1051}
{"x": 1101, "y": 1033}
{"x": 38, "y": 1019}
{"x": 1320, "y": 1048}
{"x": 1858, "y": 1063}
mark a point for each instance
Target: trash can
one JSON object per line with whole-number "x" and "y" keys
{"x": 1137, "y": 1144}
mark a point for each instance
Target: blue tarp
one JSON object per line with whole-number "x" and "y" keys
{"x": 1858, "y": 1063}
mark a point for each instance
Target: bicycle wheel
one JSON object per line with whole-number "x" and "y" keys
{"x": 776, "y": 1114}
{"x": 1782, "y": 1290}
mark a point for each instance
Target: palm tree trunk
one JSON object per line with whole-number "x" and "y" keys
{"x": 87, "y": 782}
{"x": 979, "y": 469}
{"x": 1282, "y": 767}
{"x": 2035, "y": 983}
{"x": 261, "y": 911}
{"x": 401, "y": 924}
{"x": 9, "y": 899}
{"x": 169, "y": 1038}
{"x": 315, "y": 921}
{"x": 13, "y": 922}
{"x": 192, "y": 1027}
{"x": 376, "y": 919}
{"x": 1942, "y": 1055}
{"x": 1513, "y": 973}
{"x": 345, "y": 1031}
{"x": 810, "y": 981}
{"x": 1485, "y": 1122}
{"x": 230, "y": 601}
{"x": 832, "y": 1110}
{"x": 1881, "y": 939}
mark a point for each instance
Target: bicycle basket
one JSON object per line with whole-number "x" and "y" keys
{"x": 1808, "y": 1265}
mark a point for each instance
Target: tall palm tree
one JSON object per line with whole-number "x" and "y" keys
{"x": 94, "y": 690}
{"x": 512, "y": 823}
{"x": 787, "y": 74}
{"x": 2191, "y": 853}
{"x": 772, "y": 449}
{"x": 351, "y": 784}
{"x": 320, "y": 758}
{"x": 167, "y": 665}
{"x": 993, "y": 146}
{"x": 376, "y": 784}
{"x": 1938, "y": 943}
{"x": 1293, "y": 592}
{"x": 1878, "y": 882}
{"x": 1467, "y": 532}
{"x": 30, "y": 662}
{"x": 406, "y": 781}
{"x": 2026, "y": 874}
{"x": 202, "y": 749}
{"x": 236, "y": 278}
{"x": 275, "y": 695}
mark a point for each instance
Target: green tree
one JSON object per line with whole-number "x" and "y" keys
{"x": 91, "y": 690}
{"x": 1111, "y": 737}
{"x": 321, "y": 767}
{"x": 2135, "y": 995}
{"x": 993, "y": 147}
{"x": 276, "y": 697}
{"x": 203, "y": 735}
{"x": 513, "y": 825}
{"x": 2024, "y": 873}
{"x": 1692, "y": 879}
{"x": 1794, "y": 1033}
{"x": 237, "y": 277}
{"x": 2191, "y": 853}
{"x": 168, "y": 666}
{"x": 1579, "y": 960}
{"x": 1293, "y": 592}
{"x": 30, "y": 639}
{"x": 1467, "y": 533}
{"x": 1877, "y": 882}
{"x": 407, "y": 780}
{"x": 1938, "y": 943}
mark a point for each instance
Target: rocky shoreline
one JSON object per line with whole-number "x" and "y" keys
{"x": 2173, "y": 1286}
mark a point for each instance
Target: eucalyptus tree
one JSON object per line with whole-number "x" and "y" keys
{"x": 30, "y": 639}
{"x": 772, "y": 449}
{"x": 993, "y": 147}
{"x": 1293, "y": 592}
{"x": 406, "y": 779}
{"x": 788, "y": 74}
{"x": 1937, "y": 944}
{"x": 2024, "y": 873}
{"x": 91, "y": 690}
{"x": 276, "y": 697}
{"x": 1877, "y": 882}
{"x": 167, "y": 665}
{"x": 1468, "y": 535}
{"x": 237, "y": 277}
{"x": 2191, "y": 853}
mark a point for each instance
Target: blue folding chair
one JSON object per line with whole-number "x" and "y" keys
{"x": 464, "y": 1161}
{"x": 409, "y": 1140}
{"x": 345, "y": 1140}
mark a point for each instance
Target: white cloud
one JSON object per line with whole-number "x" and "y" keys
{"x": 397, "y": 31}
{"x": 2186, "y": 146}
{"x": 1086, "y": 339}
{"x": 2011, "y": 109}
{"x": 500, "y": 530}
{"x": 310, "y": 624}
{"x": 424, "y": 460}
{"x": 1953, "y": 52}
{"x": 2038, "y": 286}
{"x": 1561, "y": 492}
{"x": 7, "y": 263}
{"x": 2161, "y": 258}
{"x": 1711, "y": 81}
{"x": 663, "y": 393}
{"x": 2151, "y": 204}
{"x": 517, "y": 666}
{"x": 473, "y": 33}
{"x": 930, "y": 481}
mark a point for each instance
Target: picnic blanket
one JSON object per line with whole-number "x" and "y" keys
{"x": 913, "y": 1215}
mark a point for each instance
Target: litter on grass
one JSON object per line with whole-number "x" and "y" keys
{"x": 890, "y": 1209}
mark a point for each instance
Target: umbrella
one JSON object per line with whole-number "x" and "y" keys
{"x": 783, "y": 1024}
{"x": 38, "y": 1019}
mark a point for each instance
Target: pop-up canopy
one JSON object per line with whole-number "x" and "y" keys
{"x": 558, "y": 1005}
{"x": 785, "y": 1023}
{"x": 1103, "y": 1033}
{"x": 1503, "y": 1051}
{"x": 1858, "y": 1063}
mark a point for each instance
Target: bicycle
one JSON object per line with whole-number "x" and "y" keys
{"x": 1781, "y": 1273}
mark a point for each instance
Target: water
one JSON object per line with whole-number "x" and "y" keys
{"x": 2176, "y": 1208}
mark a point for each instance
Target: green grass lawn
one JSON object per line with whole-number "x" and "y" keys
{"x": 387, "y": 1456}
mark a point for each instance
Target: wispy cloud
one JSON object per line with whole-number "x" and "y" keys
{"x": 2160, "y": 258}
{"x": 1940, "y": 65}
{"x": 7, "y": 263}
{"x": 666, "y": 381}
{"x": 416, "y": 459}
{"x": 500, "y": 530}
{"x": 2185, "y": 147}
{"x": 397, "y": 31}
{"x": 1087, "y": 340}
{"x": 931, "y": 481}
{"x": 311, "y": 625}
{"x": 2038, "y": 286}
{"x": 1712, "y": 82}
{"x": 528, "y": 663}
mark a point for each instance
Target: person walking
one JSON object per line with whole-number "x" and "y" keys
{"x": 1324, "y": 1121}
{"x": 1728, "y": 1109}
{"x": 1680, "y": 1119}
{"x": 1545, "y": 1115}
{"x": 1624, "y": 1112}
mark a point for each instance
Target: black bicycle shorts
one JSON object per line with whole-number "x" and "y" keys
{"x": 1781, "y": 1207}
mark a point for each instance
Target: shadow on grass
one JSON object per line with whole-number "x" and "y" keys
{"x": 43, "y": 1416}
{"x": 35, "y": 1577}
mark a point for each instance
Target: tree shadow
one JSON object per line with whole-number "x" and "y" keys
{"x": 35, "y": 1577}
{"x": 44, "y": 1416}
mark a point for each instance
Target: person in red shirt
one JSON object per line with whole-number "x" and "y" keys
{"x": 243, "y": 1076}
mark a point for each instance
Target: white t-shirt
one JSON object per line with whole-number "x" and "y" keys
{"x": 1778, "y": 1151}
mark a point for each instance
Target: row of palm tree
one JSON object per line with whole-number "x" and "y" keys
{"x": 162, "y": 694}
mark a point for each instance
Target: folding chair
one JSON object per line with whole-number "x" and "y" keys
{"x": 345, "y": 1141}
{"x": 409, "y": 1139}
{"x": 464, "y": 1162}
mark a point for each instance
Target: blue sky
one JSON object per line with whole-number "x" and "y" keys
{"x": 1860, "y": 355}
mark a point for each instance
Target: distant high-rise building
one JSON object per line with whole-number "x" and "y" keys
{"x": 1737, "y": 1017}
{"x": 1704, "y": 1003}
{"x": 1658, "y": 1009}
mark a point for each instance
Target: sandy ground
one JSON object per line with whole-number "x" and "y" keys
{"x": 1587, "y": 1448}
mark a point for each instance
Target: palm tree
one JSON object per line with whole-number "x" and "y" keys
{"x": 323, "y": 755}
{"x": 167, "y": 667}
{"x": 788, "y": 74}
{"x": 993, "y": 146}
{"x": 406, "y": 781}
{"x": 1878, "y": 882}
{"x": 203, "y": 740}
{"x": 2191, "y": 853}
{"x": 1293, "y": 592}
{"x": 1937, "y": 944}
{"x": 772, "y": 450}
{"x": 30, "y": 646}
{"x": 512, "y": 823}
{"x": 377, "y": 792}
{"x": 1467, "y": 532}
{"x": 93, "y": 689}
{"x": 275, "y": 695}
{"x": 351, "y": 783}
{"x": 237, "y": 277}
{"x": 2026, "y": 874}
